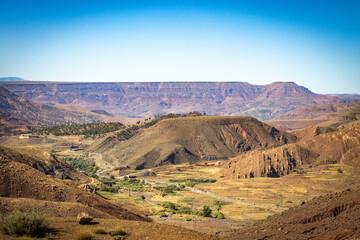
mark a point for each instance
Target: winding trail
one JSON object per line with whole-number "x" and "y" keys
{"x": 106, "y": 166}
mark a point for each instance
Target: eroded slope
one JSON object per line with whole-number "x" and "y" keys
{"x": 190, "y": 139}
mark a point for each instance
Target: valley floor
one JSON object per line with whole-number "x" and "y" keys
{"x": 245, "y": 200}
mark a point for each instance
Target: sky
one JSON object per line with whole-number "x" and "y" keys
{"x": 314, "y": 43}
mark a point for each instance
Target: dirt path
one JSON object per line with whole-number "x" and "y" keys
{"x": 106, "y": 167}
{"x": 216, "y": 196}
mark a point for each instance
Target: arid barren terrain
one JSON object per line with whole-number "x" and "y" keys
{"x": 179, "y": 120}
{"x": 182, "y": 176}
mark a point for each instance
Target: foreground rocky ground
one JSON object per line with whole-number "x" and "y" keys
{"x": 334, "y": 216}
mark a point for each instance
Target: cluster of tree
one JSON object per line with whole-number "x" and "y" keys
{"x": 83, "y": 164}
{"x": 130, "y": 184}
{"x": 89, "y": 129}
{"x": 191, "y": 182}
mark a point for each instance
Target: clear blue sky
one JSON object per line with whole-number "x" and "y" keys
{"x": 313, "y": 43}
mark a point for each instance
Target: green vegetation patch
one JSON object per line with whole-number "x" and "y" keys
{"x": 87, "y": 165}
{"x": 170, "y": 189}
{"x": 178, "y": 209}
{"x": 113, "y": 185}
{"x": 191, "y": 182}
{"x": 219, "y": 215}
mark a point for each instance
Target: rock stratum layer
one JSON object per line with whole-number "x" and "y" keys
{"x": 263, "y": 102}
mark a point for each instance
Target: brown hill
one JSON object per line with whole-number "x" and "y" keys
{"x": 157, "y": 98}
{"x": 341, "y": 146}
{"x": 190, "y": 139}
{"x": 19, "y": 114}
{"x": 19, "y": 180}
{"x": 42, "y": 161}
{"x": 334, "y": 216}
{"x": 48, "y": 208}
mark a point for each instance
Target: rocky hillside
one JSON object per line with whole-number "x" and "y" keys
{"x": 190, "y": 139}
{"x": 147, "y": 99}
{"x": 342, "y": 146}
{"x": 43, "y": 162}
{"x": 18, "y": 179}
{"x": 19, "y": 114}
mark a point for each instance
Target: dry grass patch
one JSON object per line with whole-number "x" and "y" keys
{"x": 100, "y": 230}
{"x": 83, "y": 235}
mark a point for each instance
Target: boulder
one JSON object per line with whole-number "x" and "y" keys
{"x": 84, "y": 218}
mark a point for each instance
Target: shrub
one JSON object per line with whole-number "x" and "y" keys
{"x": 104, "y": 188}
{"x": 100, "y": 230}
{"x": 184, "y": 210}
{"x": 114, "y": 189}
{"x": 171, "y": 188}
{"x": 189, "y": 183}
{"x": 83, "y": 235}
{"x": 187, "y": 210}
{"x": 201, "y": 180}
{"x": 24, "y": 223}
{"x": 206, "y": 211}
{"x": 162, "y": 214}
{"x": 118, "y": 232}
{"x": 169, "y": 205}
{"x": 219, "y": 215}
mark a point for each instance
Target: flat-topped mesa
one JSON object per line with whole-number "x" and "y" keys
{"x": 191, "y": 139}
{"x": 147, "y": 99}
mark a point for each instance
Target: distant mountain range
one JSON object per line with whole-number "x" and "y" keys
{"x": 11, "y": 79}
{"x": 147, "y": 99}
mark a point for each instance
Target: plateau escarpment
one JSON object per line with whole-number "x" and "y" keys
{"x": 189, "y": 139}
{"x": 147, "y": 99}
